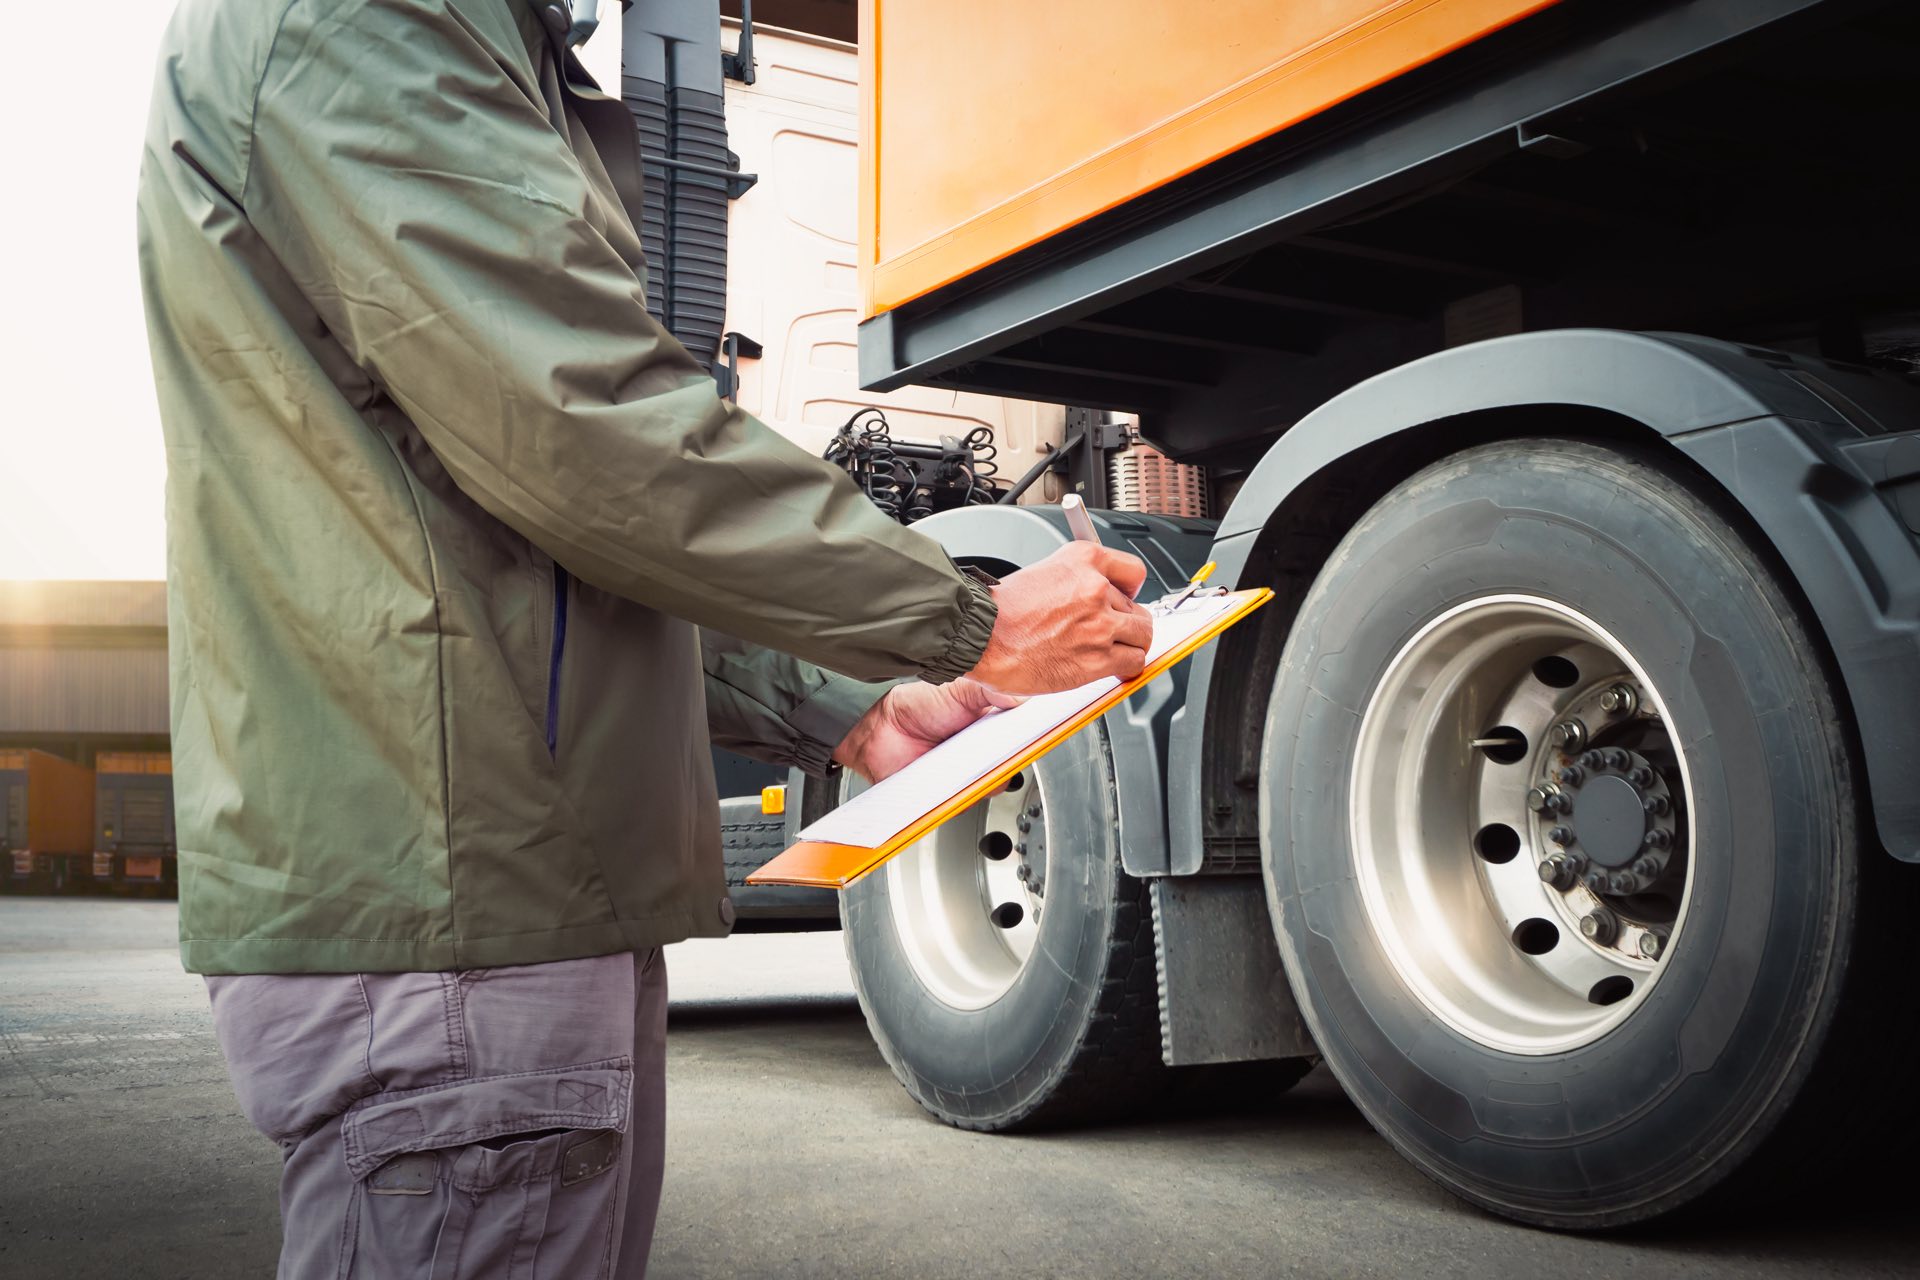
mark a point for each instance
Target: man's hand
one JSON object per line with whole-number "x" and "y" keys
{"x": 909, "y": 721}
{"x": 1067, "y": 620}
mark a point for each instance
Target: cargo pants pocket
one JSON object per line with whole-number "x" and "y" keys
{"x": 515, "y": 1176}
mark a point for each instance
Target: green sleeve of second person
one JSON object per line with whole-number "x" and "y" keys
{"x": 775, "y": 707}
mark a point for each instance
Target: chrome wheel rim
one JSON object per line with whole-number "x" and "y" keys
{"x": 1521, "y": 824}
{"x": 968, "y": 898}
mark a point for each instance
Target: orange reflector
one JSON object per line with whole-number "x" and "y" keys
{"x": 773, "y": 800}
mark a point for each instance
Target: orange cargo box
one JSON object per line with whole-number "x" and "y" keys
{"x": 133, "y": 762}
{"x": 47, "y": 803}
{"x": 992, "y": 125}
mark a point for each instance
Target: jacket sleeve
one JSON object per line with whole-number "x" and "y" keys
{"x": 774, "y": 707}
{"x": 405, "y": 169}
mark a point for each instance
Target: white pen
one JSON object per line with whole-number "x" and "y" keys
{"x": 1078, "y": 520}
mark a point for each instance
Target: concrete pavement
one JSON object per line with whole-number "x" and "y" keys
{"x": 791, "y": 1151}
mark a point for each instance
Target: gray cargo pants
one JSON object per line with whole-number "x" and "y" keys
{"x": 495, "y": 1122}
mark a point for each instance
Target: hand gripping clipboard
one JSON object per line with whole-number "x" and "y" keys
{"x": 845, "y": 845}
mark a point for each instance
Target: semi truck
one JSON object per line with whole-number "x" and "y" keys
{"x": 1552, "y": 361}
{"x": 47, "y": 806}
{"x": 133, "y": 840}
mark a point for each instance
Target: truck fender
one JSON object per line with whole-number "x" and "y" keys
{"x": 1001, "y": 539}
{"x": 1824, "y": 459}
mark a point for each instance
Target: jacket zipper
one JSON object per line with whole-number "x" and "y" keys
{"x": 561, "y": 581}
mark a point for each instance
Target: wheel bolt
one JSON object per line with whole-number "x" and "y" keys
{"x": 1033, "y": 810}
{"x": 1568, "y": 736}
{"x": 1571, "y": 775}
{"x": 1593, "y": 760}
{"x": 1656, "y": 839}
{"x": 1023, "y": 822}
{"x": 1652, "y": 944}
{"x": 1647, "y": 869}
{"x": 1540, "y": 800}
{"x": 1618, "y": 700}
{"x": 1023, "y": 872}
{"x": 1640, "y": 775}
{"x": 1622, "y": 882}
{"x": 1595, "y": 880}
{"x": 1561, "y": 835}
{"x": 1618, "y": 759}
{"x": 1599, "y": 926}
{"x": 1557, "y": 872}
{"x": 1655, "y": 805}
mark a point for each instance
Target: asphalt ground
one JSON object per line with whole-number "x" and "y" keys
{"x": 791, "y": 1151}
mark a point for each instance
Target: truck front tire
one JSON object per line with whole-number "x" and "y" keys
{"x": 1565, "y": 849}
{"x": 1005, "y": 963}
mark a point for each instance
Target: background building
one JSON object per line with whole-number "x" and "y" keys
{"x": 83, "y": 667}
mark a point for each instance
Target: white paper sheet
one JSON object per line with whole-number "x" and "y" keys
{"x": 878, "y": 814}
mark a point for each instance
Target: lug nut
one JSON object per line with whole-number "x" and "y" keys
{"x": 1595, "y": 880}
{"x": 1652, "y": 944}
{"x": 1656, "y": 839}
{"x": 1540, "y": 800}
{"x": 1033, "y": 810}
{"x": 1655, "y": 805}
{"x": 1619, "y": 700}
{"x": 1571, "y": 775}
{"x": 1023, "y": 822}
{"x": 1023, "y": 872}
{"x": 1557, "y": 872}
{"x": 1618, "y": 759}
{"x": 1598, "y": 926}
{"x": 1647, "y": 869}
{"x": 1622, "y": 882}
{"x": 1640, "y": 776}
{"x": 1593, "y": 760}
{"x": 1561, "y": 835}
{"x": 1568, "y": 736}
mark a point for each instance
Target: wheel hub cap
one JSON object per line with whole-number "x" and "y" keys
{"x": 967, "y": 898}
{"x": 1519, "y": 824}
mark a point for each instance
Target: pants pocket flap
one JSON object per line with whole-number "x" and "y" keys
{"x": 593, "y": 1095}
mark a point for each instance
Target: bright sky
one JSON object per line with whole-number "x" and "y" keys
{"x": 81, "y": 465}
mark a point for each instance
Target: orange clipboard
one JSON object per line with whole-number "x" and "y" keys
{"x": 818, "y": 864}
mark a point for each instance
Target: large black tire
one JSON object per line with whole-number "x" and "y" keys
{"x": 1077, "y": 1034}
{"x": 1767, "y": 1043}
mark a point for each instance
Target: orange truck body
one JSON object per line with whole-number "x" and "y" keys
{"x": 48, "y": 805}
{"x": 976, "y": 145}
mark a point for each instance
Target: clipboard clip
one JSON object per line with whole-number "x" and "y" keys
{"x": 1190, "y": 592}
{"x": 1167, "y": 604}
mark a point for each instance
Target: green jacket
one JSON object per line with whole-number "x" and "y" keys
{"x": 447, "y": 510}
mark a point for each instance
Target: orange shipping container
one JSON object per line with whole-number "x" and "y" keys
{"x": 133, "y": 762}
{"x": 48, "y": 803}
{"x": 977, "y": 144}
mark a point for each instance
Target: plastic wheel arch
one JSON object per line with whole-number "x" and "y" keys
{"x": 1799, "y": 446}
{"x": 1001, "y": 539}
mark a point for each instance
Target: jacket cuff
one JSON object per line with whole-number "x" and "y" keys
{"x": 822, "y": 721}
{"x": 969, "y": 640}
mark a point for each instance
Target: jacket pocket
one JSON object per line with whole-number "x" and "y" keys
{"x": 517, "y": 1175}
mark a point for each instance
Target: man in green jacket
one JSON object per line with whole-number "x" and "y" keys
{"x": 466, "y": 560}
